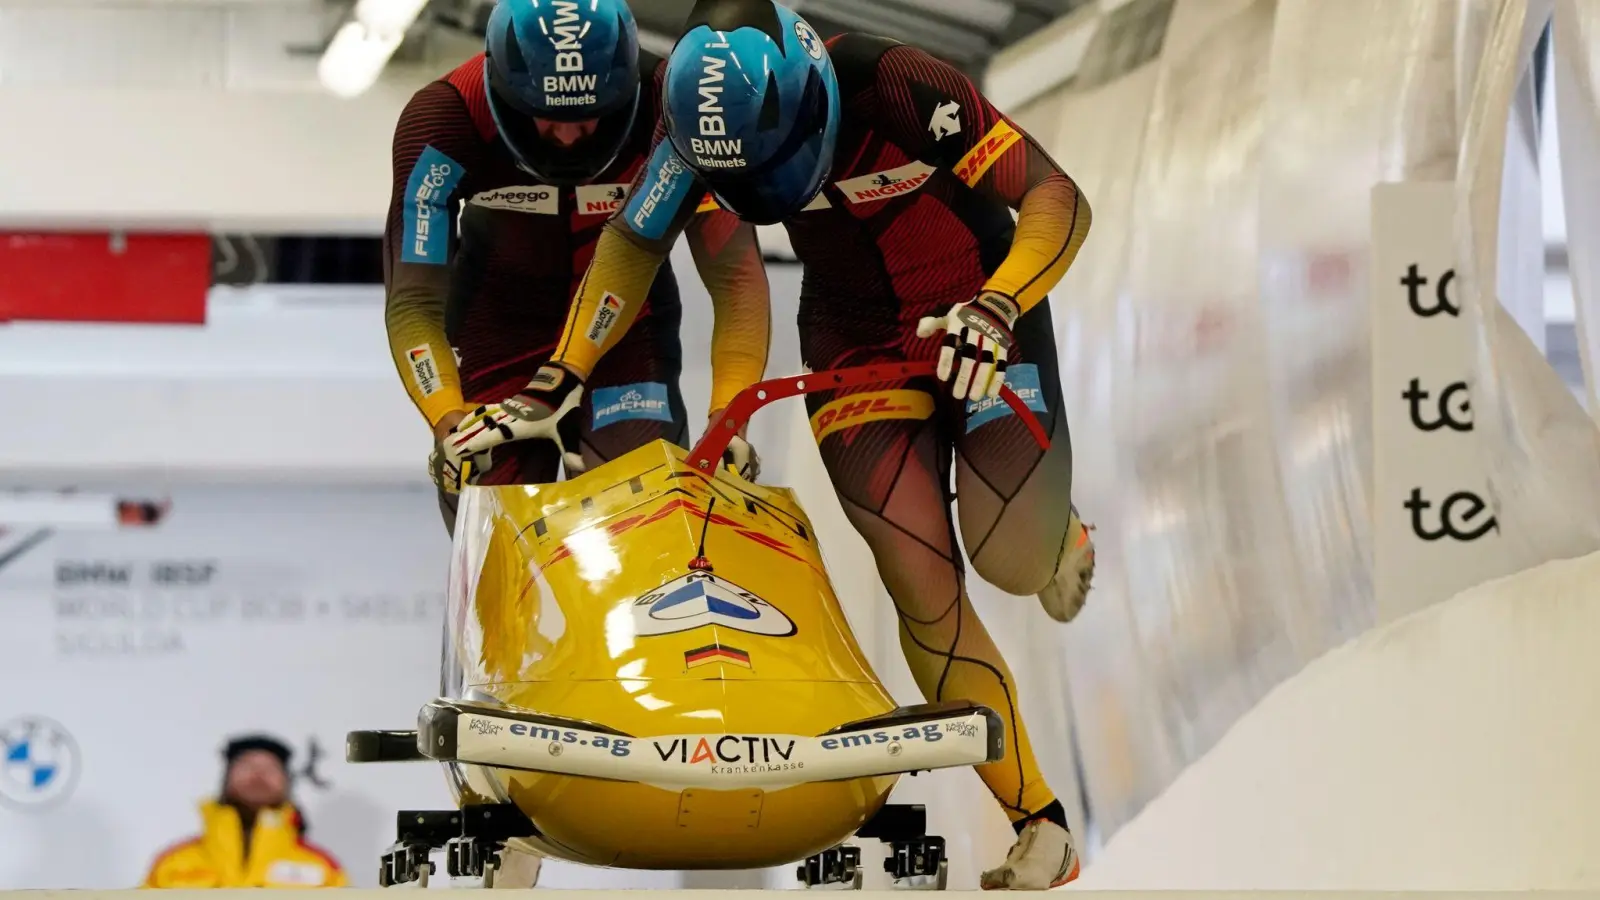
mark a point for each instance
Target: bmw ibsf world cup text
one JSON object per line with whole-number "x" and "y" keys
{"x": 718, "y": 152}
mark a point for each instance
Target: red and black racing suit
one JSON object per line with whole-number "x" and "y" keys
{"x": 481, "y": 261}
{"x": 916, "y": 218}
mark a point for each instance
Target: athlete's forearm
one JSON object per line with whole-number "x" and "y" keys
{"x": 609, "y": 297}
{"x": 729, "y": 259}
{"x": 414, "y": 318}
{"x": 1052, "y": 224}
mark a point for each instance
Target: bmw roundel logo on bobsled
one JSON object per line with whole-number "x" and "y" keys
{"x": 699, "y": 599}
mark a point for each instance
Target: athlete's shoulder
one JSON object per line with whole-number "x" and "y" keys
{"x": 856, "y": 56}
{"x": 462, "y": 89}
{"x": 652, "y": 82}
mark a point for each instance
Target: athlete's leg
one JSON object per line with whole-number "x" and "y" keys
{"x": 633, "y": 395}
{"x": 889, "y": 458}
{"x": 1015, "y": 500}
{"x": 1018, "y": 526}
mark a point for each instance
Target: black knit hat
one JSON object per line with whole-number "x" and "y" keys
{"x": 243, "y": 744}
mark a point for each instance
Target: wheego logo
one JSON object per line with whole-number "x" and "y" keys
{"x": 713, "y": 149}
{"x": 537, "y": 200}
{"x": 732, "y": 754}
{"x": 884, "y": 185}
{"x": 876, "y": 406}
{"x": 928, "y": 733}
{"x": 617, "y": 746}
{"x": 980, "y": 159}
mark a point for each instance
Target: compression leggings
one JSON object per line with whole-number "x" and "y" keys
{"x": 892, "y": 474}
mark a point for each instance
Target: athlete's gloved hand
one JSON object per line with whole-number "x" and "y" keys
{"x": 978, "y": 335}
{"x": 544, "y": 410}
{"x": 451, "y": 474}
{"x": 740, "y": 456}
{"x": 448, "y": 474}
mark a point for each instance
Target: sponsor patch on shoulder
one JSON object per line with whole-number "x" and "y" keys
{"x": 982, "y": 157}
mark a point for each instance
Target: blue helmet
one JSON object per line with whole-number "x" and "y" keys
{"x": 563, "y": 61}
{"x": 752, "y": 106}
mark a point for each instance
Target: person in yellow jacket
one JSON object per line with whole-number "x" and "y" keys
{"x": 252, "y": 836}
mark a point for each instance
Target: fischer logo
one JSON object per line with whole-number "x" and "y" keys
{"x": 601, "y": 199}
{"x": 605, "y": 318}
{"x": 981, "y": 158}
{"x": 886, "y": 185}
{"x": 424, "y": 370}
{"x": 732, "y": 754}
{"x": 713, "y": 149}
{"x": 543, "y": 201}
{"x": 859, "y": 409}
{"x": 631, "y": 402}
{"x": 666, "y": 179}
{"x": 427, "y": 199}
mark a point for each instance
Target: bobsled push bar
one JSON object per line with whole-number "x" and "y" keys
{"x": 706, "y": 454}
{"x": 910, "y": 739}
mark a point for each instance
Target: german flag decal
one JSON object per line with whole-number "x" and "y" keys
{"x": 716, "y": 653}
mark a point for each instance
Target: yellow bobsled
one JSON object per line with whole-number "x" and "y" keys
{"x": 646, "y": 667}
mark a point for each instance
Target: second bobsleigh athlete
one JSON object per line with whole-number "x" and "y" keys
{"x": 896, "y": 179}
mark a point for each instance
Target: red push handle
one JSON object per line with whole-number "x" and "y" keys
{"x": 707, "y": 454}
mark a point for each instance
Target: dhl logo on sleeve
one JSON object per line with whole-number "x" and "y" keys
{"x": 873, "y": 406}
{"x": 981, "y": 158}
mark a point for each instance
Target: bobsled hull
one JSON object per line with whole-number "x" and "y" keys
{"x": 653, "y": 666}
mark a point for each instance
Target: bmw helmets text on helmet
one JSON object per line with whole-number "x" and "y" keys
{"x": 752, "y": 106}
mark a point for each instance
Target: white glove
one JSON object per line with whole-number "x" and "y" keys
{"x": 544, "y": 410}
{"x": 451, "y": 474}
{"x": 742, "y": 458}
{"x": 978, "y": 332}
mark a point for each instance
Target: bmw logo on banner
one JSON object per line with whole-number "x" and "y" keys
{"x": 700, "y": 599}
{"x": 39, "y": 763}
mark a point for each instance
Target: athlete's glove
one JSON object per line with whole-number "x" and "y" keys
{"x": 740, "y": 456}
{"x": 544, "y": 410}
{"x": 977, "y": 335}
{"x": 451, "y": 474}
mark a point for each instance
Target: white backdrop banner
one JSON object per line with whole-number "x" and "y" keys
{"x": 1436, "y": 534}
{"x": 130, "y": 654}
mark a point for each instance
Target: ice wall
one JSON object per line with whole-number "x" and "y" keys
{"x": 1450, "y": 750}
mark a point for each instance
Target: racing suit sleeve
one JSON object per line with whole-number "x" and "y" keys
{"x": 434, "y": 143}
{"x": 629, "y": 253}
{"x": 728, "y": 257}
{"x": 933, "y": 110}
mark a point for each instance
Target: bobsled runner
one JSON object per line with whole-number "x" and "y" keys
{"x": 646, "y": 667}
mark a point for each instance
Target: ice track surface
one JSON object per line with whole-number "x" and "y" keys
{"x": 1457, "y": 749}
